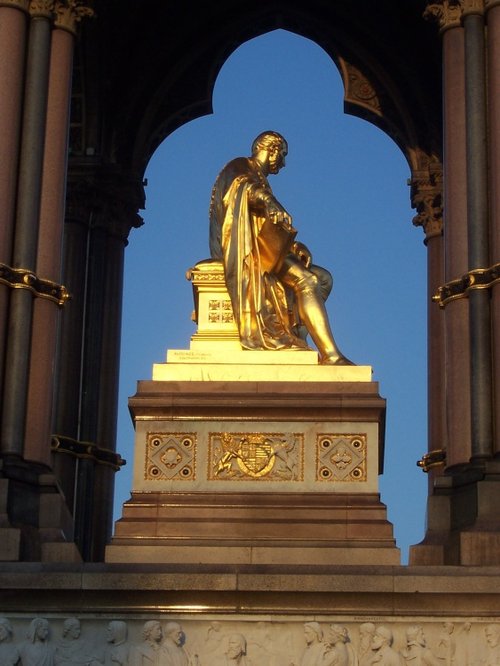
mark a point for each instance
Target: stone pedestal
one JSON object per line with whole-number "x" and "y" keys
{"x": 256, "y": 472}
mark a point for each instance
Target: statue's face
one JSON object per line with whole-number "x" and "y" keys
{"x": 492, "y": 636}
{"x": 156, "y": 633}
{"x": 378, "y": 641}
{"x": 309, "y": 635}
{"x": 176, "y": 635}
{"x": 42, "y": 632}
{"x": 74, "y": 631}
{"x": 277, "y": 156}
{"x": 4, "y": 634}
{"x": 234, "y": 649}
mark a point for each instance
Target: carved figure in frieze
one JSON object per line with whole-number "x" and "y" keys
{"x": 313, "y": 652}
{"x": 464, "y": 653}
{"x": 118, "y": 649}
{"x": 236, "y": 652}
{"x": 338, "y": 651}
{"x": 416, "y": 652}
{"x": 37, "y": 650}
{"x": 9, "y": 654}
{"x": 492, "y": 652}
{"x": 214, "y": 637}
{"x": 173, "y": 651}
{"x": 446, "y": 645}
{"x": 365, "y": 652}
{"x": 71, "y": 648}
{"x": 148, "y": 652}
{"x": 384, "y": 654}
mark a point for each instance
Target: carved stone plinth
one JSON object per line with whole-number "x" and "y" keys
{"x": 249, "y": 472}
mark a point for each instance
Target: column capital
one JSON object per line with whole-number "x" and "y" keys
{"x": 489, "y": 4}
{"x": 68, "y": 13}
{"x": 472, "y": 7}
{"x": 23, "y": 5}
{"x": 426, "y": 197}
{"x": 106, "y": 200}
{"x": 41, "y": 8}
{"x": 447, "y": 13}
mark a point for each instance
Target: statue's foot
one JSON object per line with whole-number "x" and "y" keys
{"x": 335, "y": 359}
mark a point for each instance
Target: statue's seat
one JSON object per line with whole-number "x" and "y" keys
{"x": 213, "y": 312}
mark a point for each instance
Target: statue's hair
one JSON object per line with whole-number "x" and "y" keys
{"x": 267, "y": 140}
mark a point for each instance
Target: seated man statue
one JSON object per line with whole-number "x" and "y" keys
{"x": 277, "y": 294}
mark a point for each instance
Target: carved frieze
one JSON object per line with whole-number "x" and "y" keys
{"x": 303, "y": 641}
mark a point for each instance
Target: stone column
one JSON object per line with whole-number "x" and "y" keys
{"x": 493, "y": 57}
{"x": 102, "y": 208}
{"x": 458, "y": 452}
{"x": 478, "y": 232}
{"x": 13, "y": 21}
{"x": 46, "y": 314}
{"x": 26, "y": 228}
{"x": 426, "y": 194}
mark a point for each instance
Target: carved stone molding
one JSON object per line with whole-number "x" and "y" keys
{"x": 447, "y": 13}
{"x": 69, "y": 13}
{"x": 427, "y": 195}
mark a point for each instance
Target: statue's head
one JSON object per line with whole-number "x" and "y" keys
{"x": 5, "y": 629}
{"x": 275, "y": 146}
{"x": 71, "y": 627}
{"x": 382, "y": 636}
{"x": 312, "y": 632}
{"x": 236, "y": 646}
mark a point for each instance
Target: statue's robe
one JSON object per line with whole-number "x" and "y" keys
{"x": 259, "y": 299}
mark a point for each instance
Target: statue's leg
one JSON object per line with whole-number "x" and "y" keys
{"x": 307, "y": 290}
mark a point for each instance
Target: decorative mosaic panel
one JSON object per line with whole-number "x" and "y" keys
{"x": 259, "y": 456}
{"x": 341, "y": 457}
{"x": 170, "y": 456}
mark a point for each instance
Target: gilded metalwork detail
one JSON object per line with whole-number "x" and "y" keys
{"x": 435, "y": 458}
{"x": 86, "y": 450}
{"x": 266, "y": 456}
{"x": 69, "y": 13}
{"x": 170, "y": 456}
{"x": 480, "y": 278}
{"x": 341, "y": 457}
{"x": 220, "y": 311}
{"x": 447, "y": 13}
{"x": 21, "y": 278}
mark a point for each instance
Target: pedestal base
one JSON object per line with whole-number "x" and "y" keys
{"x": 256, "y": 473}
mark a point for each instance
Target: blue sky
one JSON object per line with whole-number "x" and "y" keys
{"x": 345, "y": 185}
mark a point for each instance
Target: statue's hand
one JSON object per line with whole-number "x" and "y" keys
{"x": 278, "y": 215}
{"x": 303, "y": 253}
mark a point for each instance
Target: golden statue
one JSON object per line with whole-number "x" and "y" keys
{"x": 277, "y": 294}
